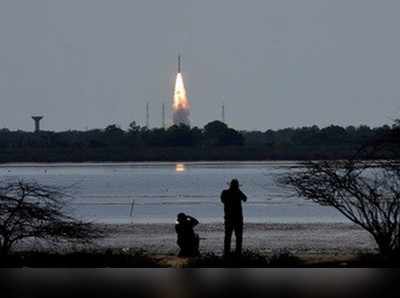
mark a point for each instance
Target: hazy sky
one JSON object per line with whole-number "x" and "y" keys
{"x": 275, "y": 64}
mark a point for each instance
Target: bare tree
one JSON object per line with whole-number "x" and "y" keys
{"x": 29, "y": 211}
{"x": 365, "y": 189}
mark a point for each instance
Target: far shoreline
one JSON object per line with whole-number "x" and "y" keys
{"x": 122, "y": 163}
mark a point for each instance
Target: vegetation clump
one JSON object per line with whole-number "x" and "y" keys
{"x": 116, "y": 258}
{"x": 248, "y": 259}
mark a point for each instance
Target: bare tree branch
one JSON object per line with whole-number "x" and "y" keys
{"x": 365, "y": 188}
{"x": 30, "y": 210}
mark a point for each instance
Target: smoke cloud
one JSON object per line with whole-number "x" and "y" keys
{"x": 181, "y": 116}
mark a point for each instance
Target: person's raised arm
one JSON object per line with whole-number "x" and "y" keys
{"x": 243, "y": 197}
{"x": 193, "y": 220}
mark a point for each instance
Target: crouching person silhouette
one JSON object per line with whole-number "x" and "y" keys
{"x": 188, "y": 240}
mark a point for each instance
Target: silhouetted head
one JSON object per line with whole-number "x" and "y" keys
{"x": 234, "y": 184}
{"x": 181, "y": 217}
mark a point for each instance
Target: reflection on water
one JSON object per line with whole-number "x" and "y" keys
{"x": 180, "y": 167}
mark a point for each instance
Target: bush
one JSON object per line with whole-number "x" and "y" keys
{"x": 78, "y": 259}
{"x": 248, "y": 259}
{"x": 283, "y": 258}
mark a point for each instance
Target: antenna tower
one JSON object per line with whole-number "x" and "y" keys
{"x": 147, "y": 115}
{"x": 223, "y": 113}
{"x": 163, "y": 115}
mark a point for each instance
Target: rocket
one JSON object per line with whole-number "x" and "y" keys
{"x": 179, "y": 63}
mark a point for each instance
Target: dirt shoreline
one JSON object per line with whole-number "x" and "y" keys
{"x": 299, "y": 239}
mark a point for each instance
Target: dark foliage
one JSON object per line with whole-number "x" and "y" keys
{"x": 284, "y": 259}
{"x": 216, "y": 141}
{"x": 120, "y": 258}
{"x": 80, "y": 259}
{"x": 248, "y": 259}
{"x": 368, "y": 260}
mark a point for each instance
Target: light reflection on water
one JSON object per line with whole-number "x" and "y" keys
{"x": 180, "y": 167}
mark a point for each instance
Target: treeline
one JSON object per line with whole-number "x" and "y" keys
{"x": 216, "y": 141}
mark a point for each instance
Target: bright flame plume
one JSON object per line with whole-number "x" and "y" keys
{"x": 180, "y": 99}
{"x": 181, "y": 103}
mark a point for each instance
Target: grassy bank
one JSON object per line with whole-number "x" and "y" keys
{"x": 127, "y": 258}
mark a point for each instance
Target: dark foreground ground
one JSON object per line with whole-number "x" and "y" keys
{"x": 265, "y": 245}
{"x": 142, "y": 259}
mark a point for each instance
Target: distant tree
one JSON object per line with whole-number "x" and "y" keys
{"x": 254, "y": 138}
{"x": 364, "y": 132}
{"x": 215, "y": 128}
{"x": 29, "y": 211}
{"x": 114, "y": 130}
{"x": 351, "y": 130}
{"x": 95, "y": 138}
{"x": 114, "y": 135}
{"x": 306, "y": 135}
{"x": 218, "y": 133}
{"x": 332, "y": 134}
{"x": 231, "y": 137}
{"x": 179, "y": 135}
{"x": 270, "y": 137}
{"x": 134, "y": 134}
{"x": 285, "y": 136}
{"x": 134, "y": 127}
{"x": 156, "y": 137}
{"x": 197, "y": 135}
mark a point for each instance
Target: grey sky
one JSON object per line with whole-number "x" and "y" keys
{"x": 275, "y": 64}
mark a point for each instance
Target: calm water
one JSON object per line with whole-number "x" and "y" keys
{"x": 104, "y": 192}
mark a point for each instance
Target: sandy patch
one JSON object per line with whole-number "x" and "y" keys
{"x": 300, "y": 239}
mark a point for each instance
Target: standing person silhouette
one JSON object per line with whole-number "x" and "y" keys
{"x": 232, "y": 199}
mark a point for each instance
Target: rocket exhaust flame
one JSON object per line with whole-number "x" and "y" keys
{"x": 180, "y": 99}
{"x": 180, "y": 104}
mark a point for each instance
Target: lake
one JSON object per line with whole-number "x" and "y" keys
{"x": 154, "y": 192}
